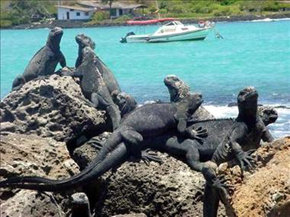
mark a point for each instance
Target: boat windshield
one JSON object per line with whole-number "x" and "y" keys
{"x": 169, "y": 27}
{"x": 173, "y": 23}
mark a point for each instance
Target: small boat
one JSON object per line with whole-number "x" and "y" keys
{"x": 172, "y": 31}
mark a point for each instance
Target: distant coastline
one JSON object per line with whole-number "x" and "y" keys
{"x": 84, "y": 24}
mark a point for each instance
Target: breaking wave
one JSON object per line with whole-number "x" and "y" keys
{"x": 280, "y": 128}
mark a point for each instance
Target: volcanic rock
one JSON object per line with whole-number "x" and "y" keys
{"x": 31, "y": 155}
{"x": 53, "y": 107}
{"x": 265, "y": 192}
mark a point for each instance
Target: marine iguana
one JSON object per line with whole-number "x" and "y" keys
{"x": 187, "y": 150}
{"x": 144, "y": 123}
{"x": 243, "y": 137}
{"x": 178, "y": 89}
{"x": 94, "y": 87}
{"x": 125, "y": 102}
{"x": 83, "y": 41}
{"x": 44, "y": 62}
{"x": 109, "y": 78}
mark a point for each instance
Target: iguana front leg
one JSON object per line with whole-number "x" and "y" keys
{"x": 245, "y": 159}
{"x": 190, "y": 132}
{"x": 62, "y": 60}
{"x": 198, "y": 134}
{"x": 267, "y": 136}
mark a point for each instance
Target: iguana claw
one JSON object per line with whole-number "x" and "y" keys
{"x": 198, "y": 134}
{"x": 96, "y": 143}
{"x": 246, "y": 161}
{"x": 147, "y": 156}
{"x": 222, "y": 188}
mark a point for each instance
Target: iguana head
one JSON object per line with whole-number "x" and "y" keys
{"x": 54, "y": 38}
{"x": 85, "y": 41}
{"x": 248, "y": 102}
{"x": 268, "y": 114}
{"x": 189, "y": 104}
{"x": 88, "y": 55}
{"x": 125, "y": 102}
{"x": 176, "y": 87}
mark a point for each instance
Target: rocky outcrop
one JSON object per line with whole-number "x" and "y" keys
{"x": 169, "y": 189}
{"x": 54, "y": 107}
{"x": 33, "y": 155}
{"x": 265, "y": 192}
{"x": 172, "y": 189}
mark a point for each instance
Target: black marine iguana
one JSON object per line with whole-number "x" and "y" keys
{"x": 239, "y": 142}
{"x": 185, "y": 149}
{"x": 109, "y": 78}
{"x": 125, "y": 102}
{"x": 44, "y": 62}
{"x": 145, "y": 122}
{"x": 178, "y": 89}
{"x": 83, "y": 41}
{"x": 94, "y": 87}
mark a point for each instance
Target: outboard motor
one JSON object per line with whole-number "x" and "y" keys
{"x": 124, "y": 39}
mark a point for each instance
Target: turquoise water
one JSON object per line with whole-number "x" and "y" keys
{"x": 251, "y": 54}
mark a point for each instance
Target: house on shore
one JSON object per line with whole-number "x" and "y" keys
{"x": 83, "y": 10}
{"x": 66, "y": 12}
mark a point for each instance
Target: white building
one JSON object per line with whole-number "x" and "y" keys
{"x": 83, "y": 10}
{"x": 65, "y": 12}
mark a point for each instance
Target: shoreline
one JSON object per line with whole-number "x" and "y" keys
{"x": 83, "y": 24}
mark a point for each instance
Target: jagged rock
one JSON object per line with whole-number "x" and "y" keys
{"x": 33, "y": 155}
{"x": 52, "y": 107}
{"x": 32, "y": 203}
{"x": 266, "y": 192}
{"x": 170, "y": 189}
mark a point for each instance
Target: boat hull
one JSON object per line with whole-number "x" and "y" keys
{"x": 185, "y": 36}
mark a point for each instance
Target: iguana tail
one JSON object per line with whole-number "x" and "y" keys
{"x": 94, "y": 170}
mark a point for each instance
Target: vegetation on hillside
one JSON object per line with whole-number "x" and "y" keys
{"x": 214, "y": 8}
{"x": 16, "y": 12}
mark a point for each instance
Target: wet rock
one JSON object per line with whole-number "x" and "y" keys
{"x": 54, "y": 107}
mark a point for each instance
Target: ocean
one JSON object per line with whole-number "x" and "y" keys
{"x": 251, "y": 54}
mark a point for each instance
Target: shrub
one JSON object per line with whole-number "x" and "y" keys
{"x": 100, "y": 16}
{"x": 178, "y": 9}
{"x": 271, "y": 6}
{"x": 5, "y": 23}
{"x": 123, "y": 18}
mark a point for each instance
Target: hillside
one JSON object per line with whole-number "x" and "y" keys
{"x": 34, "y": 10}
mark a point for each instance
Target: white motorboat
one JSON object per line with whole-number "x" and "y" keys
{"x": 172, "y": 31}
